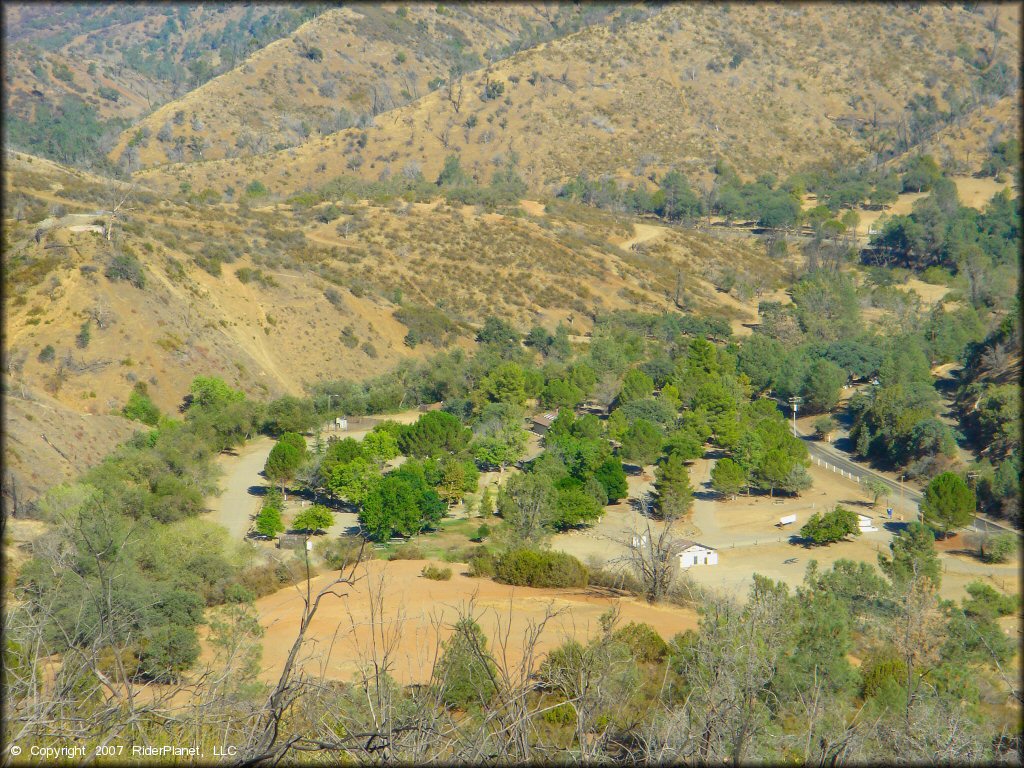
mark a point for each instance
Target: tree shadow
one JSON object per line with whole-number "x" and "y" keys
{"x": 707, "y": 495}
{"x": 894, "y": 527}
{"x": 844, "y": 444}
{"x": 857, "y": 503}
{"x": 797, "y": 540}
{"x": 257, "y": 490}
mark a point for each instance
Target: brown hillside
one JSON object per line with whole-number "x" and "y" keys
{"x": 962, "y": 148}
{"x": 374, "y": 58}
{"x": 42, "y": 37}
{"x": 25, "y": 90}
{"x": 298, "y": 300}
{"x": 680, "y": 88}
{"x": 47, "y": 443}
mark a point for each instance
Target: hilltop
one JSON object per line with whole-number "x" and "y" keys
{"x": 679, "y": 89}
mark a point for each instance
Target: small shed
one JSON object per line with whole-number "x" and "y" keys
{"x": 691, "y": 553}
{"x": 541, "y": 423}
{"x": 296, "y": 541}
{"x": 864, "y": 523}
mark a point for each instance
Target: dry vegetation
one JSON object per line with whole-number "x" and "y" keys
{"x": 297, "y": 300}
{"x": 371, "y": 60}
{"x": 678, "y": 89}
{"x": 41, "y": 41}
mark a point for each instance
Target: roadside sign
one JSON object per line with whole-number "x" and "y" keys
{"x": 888, "y": 511}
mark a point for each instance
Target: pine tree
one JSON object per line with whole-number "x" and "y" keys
{"x": 672, "y": 482}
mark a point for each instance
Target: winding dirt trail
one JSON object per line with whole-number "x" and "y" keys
{"x": 642, "y": 233}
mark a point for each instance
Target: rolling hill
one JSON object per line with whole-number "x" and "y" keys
{"x": 678, "y": 89}
{"x": 276, "y": 297}
{"x": 339, "y": 69}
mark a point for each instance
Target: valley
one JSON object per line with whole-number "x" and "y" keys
{"x": 418, "y": 383}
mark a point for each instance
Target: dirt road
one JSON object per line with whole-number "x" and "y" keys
{"x": 642, "y": 233}
{"x": 236, "y": 505}
{"x": 242, "y": 479}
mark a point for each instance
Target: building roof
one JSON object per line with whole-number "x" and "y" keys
{"x": 684, "y": 544}
{"x": 545, "y": 418}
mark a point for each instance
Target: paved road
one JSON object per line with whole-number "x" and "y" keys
{"x": 836, "y": 458}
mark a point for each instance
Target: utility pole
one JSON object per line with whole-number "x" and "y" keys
{"x": 902, "y": 510}
{"x": 794, "y": 402}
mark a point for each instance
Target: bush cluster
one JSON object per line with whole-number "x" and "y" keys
{"x": 533, "y": 568}
{"x": 435, "y": 573}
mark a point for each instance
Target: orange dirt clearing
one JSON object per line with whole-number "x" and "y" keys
{"x": 415, "y": 615}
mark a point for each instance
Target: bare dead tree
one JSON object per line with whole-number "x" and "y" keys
{"x": 650, "y": 554}
{"x": 508, "y": 731}
{"x": 118, "y": 210}
{"x": 445, "y": 135}
{"x": 262, "y": 745}
{"x": 101, "y": 314}
{"x": 455, "y": 88}
{"x": 595, "y": 680}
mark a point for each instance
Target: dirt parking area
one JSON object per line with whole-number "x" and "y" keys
{"x": 392, "y": 605}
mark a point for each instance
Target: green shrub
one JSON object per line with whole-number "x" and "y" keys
{"x": 563, "y": 714}
{"x": 877, "y": 671}
{"x": 141, "y": 408}
{"x": 256, "y": 188}
{"x": 465, "y": 673}
{"x": 531, "y": 568}
{"x": 644, "y": 642}
{"x": 47, "y": 354}
{"x": 936, "y": 276}
{"x": 268, "y": 521}
{"x": 1000, "y": 548}
{"x": 126, "y": 266}
{"x": 483, "y": 564}
{"x": 408, "y": 552}
{"x": 167, "y": 651}
{"x": 340, "y": 552}
{"x": 426, "y": 325}
{"x": 84, "y": 335}
{"x": 435, "y": 573}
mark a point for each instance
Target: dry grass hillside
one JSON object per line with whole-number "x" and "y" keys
{"x": 272, "y": 298}
{"x": 677, "y": 89}
{"x": 962, "y": 148}
{"x": 337, "y": 70}
{"x": 113, "y": 46}
{"x": 33, "y": 78}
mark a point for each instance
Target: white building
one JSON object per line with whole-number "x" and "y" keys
{"x": 864, "y": 523}
{"x": 691, "y": 553}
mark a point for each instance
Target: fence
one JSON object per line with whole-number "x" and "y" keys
{"x": 834, "y": 468}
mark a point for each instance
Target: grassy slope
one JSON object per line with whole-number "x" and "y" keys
{"x": 274, "y": 338}
{"x": 373, "y": 61}
{"x": 639, "y": 98}
{"x": 32, "y": 34}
